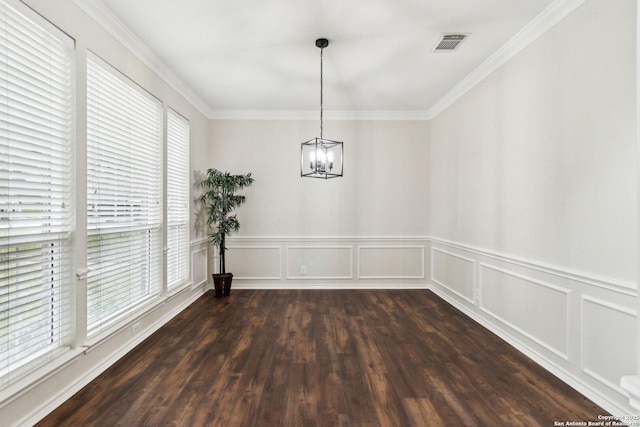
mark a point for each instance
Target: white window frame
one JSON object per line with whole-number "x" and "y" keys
{"x": 37, "y": 131}
{"x": 124, "y": 197}
{"x": 177, "y": 190}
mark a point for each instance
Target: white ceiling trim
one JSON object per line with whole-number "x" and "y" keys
{"x": 114, "y": 26}
{"x": 542, "y": 23}
{"x": 553, "y": 14}
{"x": 315, "y": 115}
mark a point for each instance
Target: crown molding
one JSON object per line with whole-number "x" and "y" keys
{"x": 315, "y": 115}
{"x": 106, "y": 19}
{"x": 542, "y": 23}
{"x": 553, "y": 14}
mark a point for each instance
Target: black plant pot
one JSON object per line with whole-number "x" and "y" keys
{"x": 222, "y": 284}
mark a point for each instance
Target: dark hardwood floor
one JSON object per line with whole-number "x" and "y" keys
{"x": 324, "y": 358}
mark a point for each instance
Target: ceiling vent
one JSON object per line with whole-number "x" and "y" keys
{"x": 449, "y": 42}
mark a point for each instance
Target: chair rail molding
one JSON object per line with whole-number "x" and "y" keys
{"x": 623, "y": 287}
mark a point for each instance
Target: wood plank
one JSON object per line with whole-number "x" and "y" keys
{"x": 323, "y": 358}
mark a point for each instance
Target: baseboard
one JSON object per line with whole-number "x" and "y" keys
{"x": 310, "y": 286}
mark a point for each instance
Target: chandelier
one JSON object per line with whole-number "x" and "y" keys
{"x": 320, "y": 157}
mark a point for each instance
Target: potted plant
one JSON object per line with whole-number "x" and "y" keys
{"x": 220, "y": 199}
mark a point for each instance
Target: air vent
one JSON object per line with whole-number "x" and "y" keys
{"x": 449, "y": 42}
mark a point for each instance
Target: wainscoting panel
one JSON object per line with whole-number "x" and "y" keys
{"x": 327, "y": 262}
{"x": 391, "y": 262}
{"x": 608, "y": 349}
{"x": 579, "y": 327}
{"x": 319, "y": 262}
{"x": 254, "y": 262}
{"x": 199, "y": 264}
{"x": 518, "y": 301}
{"x": 453, "y": 272}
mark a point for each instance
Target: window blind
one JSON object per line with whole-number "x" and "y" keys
{"x": 36, "y": 277}
{"x": 177, "y": 199}
{"x": 124, "y": 212}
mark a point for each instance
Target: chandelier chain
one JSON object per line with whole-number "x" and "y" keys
{"x": 321, "y": 99}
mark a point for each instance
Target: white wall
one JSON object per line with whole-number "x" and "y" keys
{"x": 533, "y": 200}
{"x": 539, "y": 159}
{"x": 32, "y": 397}
{"x": 380, "y": 203}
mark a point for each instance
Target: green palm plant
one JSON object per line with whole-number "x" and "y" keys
{"x": 220, "y": 199}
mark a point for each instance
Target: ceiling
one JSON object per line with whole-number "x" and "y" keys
{"x": 250, "y": 55}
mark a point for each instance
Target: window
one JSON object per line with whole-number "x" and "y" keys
{"x": 177, "y": 199}
{"x": 36, "y": 223}
{"x": 124, "y": 211}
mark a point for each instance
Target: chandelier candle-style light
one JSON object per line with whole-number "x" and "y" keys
{"x": 320, "y": 157}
